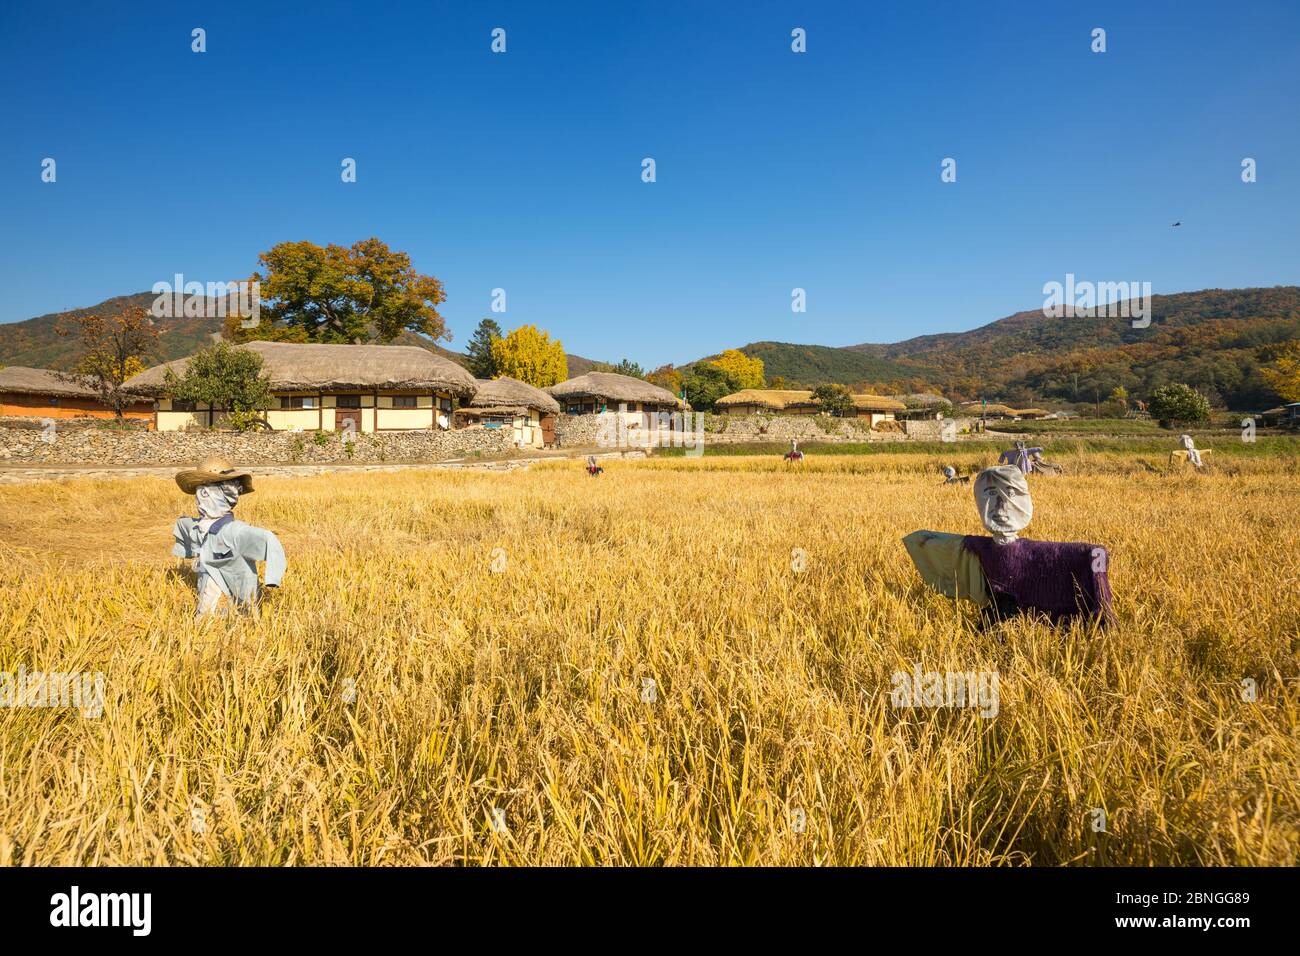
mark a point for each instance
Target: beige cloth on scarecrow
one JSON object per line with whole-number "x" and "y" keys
{"x": 946, "y": 566}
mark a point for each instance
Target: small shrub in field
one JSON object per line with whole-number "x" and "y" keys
{"x": 1179, "y": 405}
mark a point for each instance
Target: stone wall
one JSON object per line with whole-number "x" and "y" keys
{"x": 576, "y": 431}
{"x": 580, "y": 431}
{"x": 931, "y": 429}
{"x": 114, "y": 446}
{"x": 783, "y": 428}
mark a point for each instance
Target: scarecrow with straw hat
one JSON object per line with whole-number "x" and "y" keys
{"x": 225, "y": 551}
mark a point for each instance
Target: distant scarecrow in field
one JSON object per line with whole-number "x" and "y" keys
{"x": 950, "y": 476}
{"x": 1193, "y": 453}
{"x": 593, "y": 469}
{"x": 794, "y": 454}
{"x": 1005, "y": 574}
{"x": 1021, "y": 457}
{"x": 225, "y": 550}
{"x": 1041, "y": 464}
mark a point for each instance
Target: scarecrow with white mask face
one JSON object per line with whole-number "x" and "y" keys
{"x": 1005, "y": 573}
{"x": 1002, "y": 497}
{"x": 1193, "y": 453}
{"x": 225, "y": 550}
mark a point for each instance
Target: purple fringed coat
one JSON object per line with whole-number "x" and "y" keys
{"x": 1059, "y": 579}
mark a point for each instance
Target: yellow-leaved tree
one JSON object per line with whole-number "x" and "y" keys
{"x": 1284, "y": 375}
{"x": 529, "y": 355}
{"x": 744, "y": 371}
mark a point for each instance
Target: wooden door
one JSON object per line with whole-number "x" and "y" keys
{"x": 548, "y": 429}
{"x": 342, "y": 415}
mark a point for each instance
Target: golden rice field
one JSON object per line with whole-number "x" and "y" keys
{"x": 401, "y": 702}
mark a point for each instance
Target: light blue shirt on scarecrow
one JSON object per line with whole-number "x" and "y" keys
{"x": 228, "y": 554}
{"x": 225, "y": 550}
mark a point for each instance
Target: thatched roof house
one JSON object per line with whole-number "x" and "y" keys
{"x": 298, "y": 367}
{"x": 596, "y": 390}
{"x": 877, "y": 403}
{"x": 793, "y": 401}
{"x": 326, "y": 387}
{"x": 991, "y": 410}
{"x": 41, "y": 393}
{"x": 749, "y": 401}
{"x": 920, "y": 400}
{"x": 996, "y": 410}
{"x": 17, "y": 380}
{"x": 509, "y": 403}
{"x": 921, "y": 405}
{"x": 511, "y": 395}
{"x": 1283, "y": 414}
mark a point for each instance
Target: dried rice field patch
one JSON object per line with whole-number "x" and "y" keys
{"x": 648, "y": 679}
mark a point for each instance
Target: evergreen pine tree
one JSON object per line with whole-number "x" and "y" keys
{"x": 479, "y": 350}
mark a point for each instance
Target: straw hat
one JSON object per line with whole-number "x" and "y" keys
{"x": 212, "y": 471}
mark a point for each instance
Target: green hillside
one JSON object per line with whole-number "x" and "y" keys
{"x": 37, "y": 344}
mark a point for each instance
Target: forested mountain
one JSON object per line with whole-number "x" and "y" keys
{"x": 1214, "y": 340}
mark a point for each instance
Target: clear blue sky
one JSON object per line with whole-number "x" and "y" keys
{"x": 775, "y": 170}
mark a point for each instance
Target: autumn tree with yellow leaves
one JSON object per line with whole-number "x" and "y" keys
{"x": 1284, "y": 373}
{"x": 744, "y": 371}
{"x": 531, "y": 356}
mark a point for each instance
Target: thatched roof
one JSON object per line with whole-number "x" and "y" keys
{"x": 920, "y": 400}
{"x": 502, "y": 395}
{"x": 993, "y": 408}
{"x": 292, "y": 366}
{"x": 17, "y": 380}
{"x": 774, "y": 398}
{"x": 877, "y": 403}
{"x": 612, "y": 388}
{"x": 779, "y": 399}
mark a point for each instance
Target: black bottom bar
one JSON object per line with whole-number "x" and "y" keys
{"x": 338, "y": 906}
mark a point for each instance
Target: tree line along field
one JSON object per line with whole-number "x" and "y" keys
{"x": 455, "y": 672}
